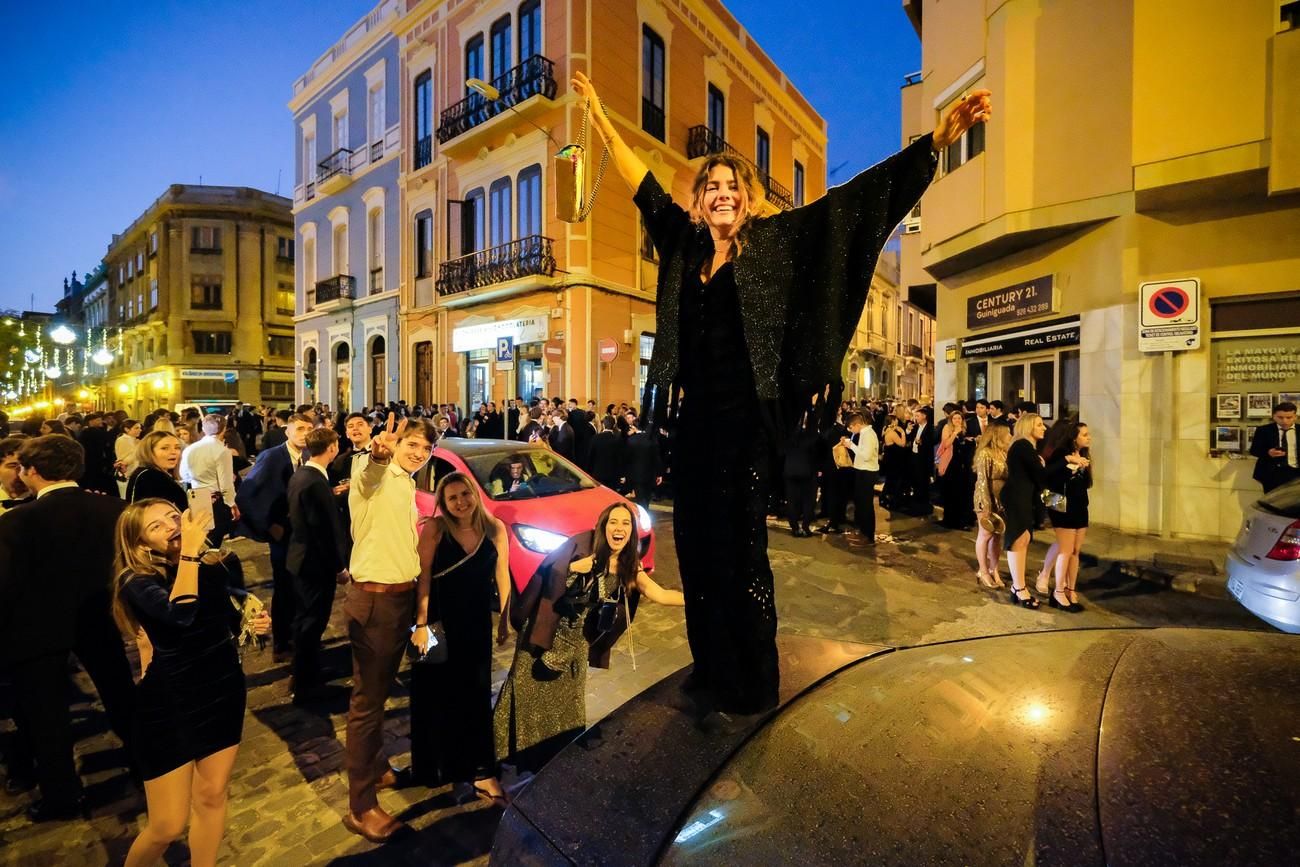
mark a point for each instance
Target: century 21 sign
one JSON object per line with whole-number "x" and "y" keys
{"x": 1021, "y": 301}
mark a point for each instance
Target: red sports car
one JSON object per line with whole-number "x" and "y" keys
{"x": 542, "y": 498}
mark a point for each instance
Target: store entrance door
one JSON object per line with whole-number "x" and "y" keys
{"x": 478, "y": 385}
{"x": 1032, "y": 380}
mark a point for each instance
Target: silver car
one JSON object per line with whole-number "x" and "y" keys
{"x": 1264, "y": 562}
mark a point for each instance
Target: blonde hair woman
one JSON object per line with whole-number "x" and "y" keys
{"x": 464, "y": 558}
{"x": 158, "y": 459}
{"x": 1020, "y": 500}
{"x": 190, "y": 701}
{"x": 990, "y": 477}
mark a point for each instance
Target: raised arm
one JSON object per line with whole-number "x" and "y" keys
{"x": 630, "y": 167}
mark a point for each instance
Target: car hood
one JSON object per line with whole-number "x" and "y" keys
{"x": 1119, "y": 746}
{"x": 566, "y": 514}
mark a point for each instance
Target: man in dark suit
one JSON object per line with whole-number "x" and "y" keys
{"x": 248, "y": 425}
{"x": 920, "y": 446}
{"x": 1274, "y": 445}
{"x": 97, "y": 442}
{"x": 562, "y": 438}
{"x": 277, "y": 431}
{"x": 644, "y": 471}
{"x": 263, "y": 501}
{"x": 583, "y": 432}
{"x": 513, "y": 408}
{"x": 317, "y": 558}
{"x": 997, "y": 413}
{"x": 978, "y": 421}
{"x": 56, "y": 560}
{"x": 606, "y": 455}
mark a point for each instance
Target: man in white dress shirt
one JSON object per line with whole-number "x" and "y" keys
{"x": 209, "y": 464}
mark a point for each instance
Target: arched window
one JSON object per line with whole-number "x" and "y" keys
{"x": 378, "y": 372}
{"x": 499, "y": 212}
{"x": 501, "y": 44}
{"x": 530, "y": 29}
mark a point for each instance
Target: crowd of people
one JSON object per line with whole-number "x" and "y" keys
{"x": 143, "y": 508}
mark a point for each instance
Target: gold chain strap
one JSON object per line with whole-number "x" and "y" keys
{"x": 604, "y": 160}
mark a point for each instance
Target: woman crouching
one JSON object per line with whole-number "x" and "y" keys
{"x": 582, "y": 599}
{"x": 190, "y": 702}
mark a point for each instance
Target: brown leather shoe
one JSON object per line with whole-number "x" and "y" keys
{"x": 374, "y": 824}
{"x": 394, "y": 778}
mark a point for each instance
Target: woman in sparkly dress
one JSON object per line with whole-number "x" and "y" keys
{"x": 579, "y": 603}
{"x": 754, "y": 315}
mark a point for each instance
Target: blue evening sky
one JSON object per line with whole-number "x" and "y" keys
{"x": 106, "y": 103}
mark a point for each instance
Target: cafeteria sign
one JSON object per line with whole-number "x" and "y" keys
{"x": 1020, "y": 301}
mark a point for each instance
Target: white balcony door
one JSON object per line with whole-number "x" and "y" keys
{"x": 341, "y": 130}
{"x": 376, "y": 114}
{"x": 341, "y": 250}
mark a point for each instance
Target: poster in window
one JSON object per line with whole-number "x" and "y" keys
{"x": 1227, "y": 406}
{"x": 1227, "y": 438}
{"x": 1259, "y": 405}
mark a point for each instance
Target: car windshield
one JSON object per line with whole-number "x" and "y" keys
{"x": 1283, "y": 500}
{"x": 526, "y": 473}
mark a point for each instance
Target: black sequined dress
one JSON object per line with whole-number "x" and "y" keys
{"x": 746, "y": 354}
{"x": 719, "y": 511}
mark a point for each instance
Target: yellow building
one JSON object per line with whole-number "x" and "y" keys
{"x": 891, "y": 353}
{"x": 1132, "y": 142}
{"x": 199, "y": 298}
{"x": 483, "y": 255}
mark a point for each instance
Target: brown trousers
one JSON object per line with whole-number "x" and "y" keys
{"x": 379, "y": 626}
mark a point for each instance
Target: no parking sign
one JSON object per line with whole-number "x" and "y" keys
{"x": 1169, "y": 315}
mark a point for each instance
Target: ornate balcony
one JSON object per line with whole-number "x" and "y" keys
{"x": 910, "y": 350}
{"x": 534, "y": 77}
{"x": 522, "y": 258}
{"x": 334, "y": 172}
{"x": 341, "y": 288}
{"x": 652, "y": 119}
{"x": 423, "y": 151}
{"x": 702, "y": 141}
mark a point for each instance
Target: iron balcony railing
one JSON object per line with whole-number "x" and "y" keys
{"x": 534, "y": 76}
{"x": 376, "y": 280}
{"x": 702, "y": 142}
{"x": 337, "y": 163}
{"x": 909, "y": 350}
{"x": 423, "y": 151}
{"x": 336, "y": 287}
{"x": 522, "y": 258}
{"x": 652, "y": 119}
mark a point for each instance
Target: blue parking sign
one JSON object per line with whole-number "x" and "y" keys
{"x": 505, "y": 350}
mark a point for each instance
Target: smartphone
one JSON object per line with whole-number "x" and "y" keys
{"x": 201, "y": 505}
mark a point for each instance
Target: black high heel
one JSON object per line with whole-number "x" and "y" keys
{"x": 1030, "y": 603}
{"x": 1068, "y": 607}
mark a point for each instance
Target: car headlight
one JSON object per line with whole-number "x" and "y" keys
{"x": 538, "y": 540}
{"x": 643, "y": 517}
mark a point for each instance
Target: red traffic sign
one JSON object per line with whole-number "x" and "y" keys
{"x": 1169, "y": 302}
{"x": 606, "y": 349}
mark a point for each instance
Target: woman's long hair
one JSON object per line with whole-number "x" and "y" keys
{"x": 130, "y": 562}
{"x": 144, "y": 455}
{"x": 996, "y": 437}
{"x": 480, "y": 520}
{"x": 1061, "y": 438}
{"x": 629, "y": 559}
{"x": 746, "y": 193}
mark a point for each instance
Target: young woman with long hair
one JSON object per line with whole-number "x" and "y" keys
{"x": 190, "y": 702}
{"x": 1068, "y": 472}
{"x": 1020, "y": 500}
{"x": 464, "y": 558}
{"x": 990, "y": 478}
{"x": 158, "y": 458}
{"x": 755, "y": 310}
{"x": 569, "y": 616}
{"x": 956, "y": 482}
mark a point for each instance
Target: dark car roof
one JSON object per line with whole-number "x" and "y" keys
{"x": 1089, "y": 746}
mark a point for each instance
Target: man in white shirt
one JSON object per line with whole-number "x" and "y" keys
{"x": 209, "y": 464}
{"x": 865, "y": 446}
{"x": 380, "y": 608}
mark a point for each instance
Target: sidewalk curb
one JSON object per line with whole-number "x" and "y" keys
{"x": 1214, "y": 586}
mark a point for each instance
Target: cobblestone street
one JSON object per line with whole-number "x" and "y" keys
{"x": 288, "y": 792}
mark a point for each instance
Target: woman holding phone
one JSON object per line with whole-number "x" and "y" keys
{"x": 190, "y": 702}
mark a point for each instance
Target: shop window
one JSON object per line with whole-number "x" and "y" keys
{"x": 1256, "y": 356}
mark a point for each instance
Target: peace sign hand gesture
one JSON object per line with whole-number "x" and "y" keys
{"x": 383, "y": 446}
{"x": 975, "y": 107}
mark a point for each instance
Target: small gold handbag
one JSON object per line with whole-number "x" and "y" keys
{"x": 572, "y": 204}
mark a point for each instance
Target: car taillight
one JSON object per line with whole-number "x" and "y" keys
{"x": 1287, "y": 546}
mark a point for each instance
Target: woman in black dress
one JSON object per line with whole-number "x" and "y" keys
{"x": 1068, "y": 472}
{"x": 753, "y": 317}
{"x": 464, "y": 552}
{"x": 894, "y": 464}
{"x": 1021, "y": 501}
{"x": 159, "y": 454}
{"x": 956, "y": 473}
{"x": 189, "y": 715}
